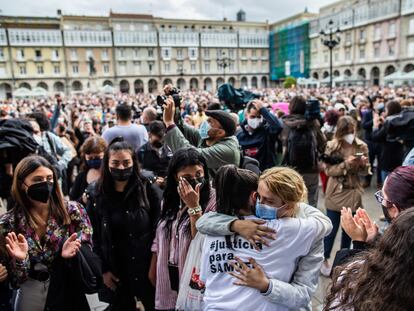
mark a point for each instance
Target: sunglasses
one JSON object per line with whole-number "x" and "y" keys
{"x": 379, "y": 196}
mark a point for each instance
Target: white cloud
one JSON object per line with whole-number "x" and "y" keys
{"x": 256, "y": 10}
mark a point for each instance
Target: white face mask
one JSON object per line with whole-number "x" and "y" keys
{"x": 254, "y": 123}
{"x": 349, "y": 138}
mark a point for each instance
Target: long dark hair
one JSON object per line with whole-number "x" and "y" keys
{"x": 182, "y": 158}
{"x": 57, "y": 208}
{"x": 105, "y": 184}
{"x": 233, "y": 189}
{"x": 381, "y": 279}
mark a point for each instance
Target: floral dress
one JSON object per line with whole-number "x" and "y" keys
{"x": 45, "y": 253}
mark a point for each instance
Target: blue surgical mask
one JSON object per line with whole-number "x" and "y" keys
{"x": 267, "y": 212}
{"x": 203, "y": 130}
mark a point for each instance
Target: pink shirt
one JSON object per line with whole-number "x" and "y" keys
{"x": 165, "y": 298}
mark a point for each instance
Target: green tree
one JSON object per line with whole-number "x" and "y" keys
{"x": 289, "y": 81}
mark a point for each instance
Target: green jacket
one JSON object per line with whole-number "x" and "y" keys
{"x": 226, "y": 151}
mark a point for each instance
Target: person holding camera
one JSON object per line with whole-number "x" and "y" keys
{"x": 215, "y": 139}
{"x": 347, "y": 160}
{"x": 258, "y": 134}
{"x": 392, "y": 149}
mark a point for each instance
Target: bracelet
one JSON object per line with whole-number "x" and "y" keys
{"x": 195, "y": 210}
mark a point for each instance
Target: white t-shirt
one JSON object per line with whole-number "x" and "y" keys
{"x": 294, "y": 238}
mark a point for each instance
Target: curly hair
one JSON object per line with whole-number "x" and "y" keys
{"x": 382, "y": 278}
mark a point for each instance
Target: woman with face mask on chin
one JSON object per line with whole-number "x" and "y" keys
{"x": 43, "y": 235}
{"x": 350, "y": 160}
{"x": 124, "y": 210}
{"x": 187, "y": 196}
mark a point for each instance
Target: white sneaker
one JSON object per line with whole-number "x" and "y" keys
{"x": 326, "y": 269}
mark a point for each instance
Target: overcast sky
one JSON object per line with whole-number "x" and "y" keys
{"x": 256, "y": 10}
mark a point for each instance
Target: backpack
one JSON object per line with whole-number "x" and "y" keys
{"x": 249, "y": 163}
{"x": 302, "y": 152}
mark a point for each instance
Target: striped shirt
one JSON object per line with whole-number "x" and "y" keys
{"x": 165, "y": 297}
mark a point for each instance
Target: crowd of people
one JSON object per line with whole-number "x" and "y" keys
{"x": 199, "y": 201}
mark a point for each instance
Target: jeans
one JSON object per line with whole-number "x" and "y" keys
{"x": 312, "y": 183}
{"x": 335, "y": 217}
{"x": 384, "y": 175}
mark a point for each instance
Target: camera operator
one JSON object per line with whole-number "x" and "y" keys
{"x": 392, "y": 151}
{"x": 215, "y": 139}
{"x": 258, "y": 134}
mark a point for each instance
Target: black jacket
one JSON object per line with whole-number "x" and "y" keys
{"x": 141, "y": 225}
{"x": 152, "y": 161}
{"x": 392, "y": 152}
{"x": 79, "y": 187}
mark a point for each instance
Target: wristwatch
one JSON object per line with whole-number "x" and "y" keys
{"x": 195, "y": 210}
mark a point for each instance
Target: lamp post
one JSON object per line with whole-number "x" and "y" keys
{"x": 330, "y": 39}
{"x": 224, "y": 62}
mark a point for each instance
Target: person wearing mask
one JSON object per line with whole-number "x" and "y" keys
{"x": 215, "y": 138}
{"x": 92, "y": 153}
{"x": 259, "y": 133}
{"x": 134, "y": 134}
{"x": 367, "y": 116}
{"x": 154, "y": 156}
{"x": 148, "y": 116}
{"x": 349, "y": 161}
{"x": 238, "y": 191}
{"x": 380, "y": 278}
{"x": 186, "y": 197}
{"x": 124, "y": 209}
{"x": 396, "y": 196}
{"x": 392, "y": 149}
{"x": 303, "y": 141}
{"x": 44, "y": 235}
{"x": 280, "y": 187}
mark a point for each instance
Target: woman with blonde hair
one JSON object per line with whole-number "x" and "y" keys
{"x": 348, "y": 160}
{"x": 279, "y": 207}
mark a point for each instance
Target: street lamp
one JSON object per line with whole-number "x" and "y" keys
{"x": 330, "y": 39}
{"x": 224, "y": 62}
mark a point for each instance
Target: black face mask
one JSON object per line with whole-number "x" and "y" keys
{"x": 386, "y": 214}
{"x": 157, "y": 144}
{"x": 195, "y": 181}
{"x": 121, "y": 174}
{"x": 40, "y": 192}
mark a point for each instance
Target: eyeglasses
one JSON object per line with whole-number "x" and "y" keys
{"x": 379, "y": 196}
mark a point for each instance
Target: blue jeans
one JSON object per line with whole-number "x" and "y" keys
{"x": 384, "y": 175}
{"x": 335, "y": 217}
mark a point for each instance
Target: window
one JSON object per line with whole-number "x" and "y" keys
{"x": 121, "y": 53}
{"x": 348, "y": 54}
{"x": 75, "y": 69}
{"x": 104, "y": 54}
{"x": 231, "y": 53}
{"x": 391, "y": 29}
{"x": 150, "y": 53}
{"x": 193, "y": 53}
{"x": 22, "y": 70}
{"x": 56, "y": 69}
{"x": 136, "y": 53}
{"x": 137, "y": 66}
{"x": 167, "y": 67}
{"x": 206, "y": 53}
{"x": 206, "y": 67}
{"x": 361, "y": 52}
{"x": 73, "y": 54}
{"x": 362, "y": 34}
{"x": 348, "y": 37}
{"x": 376, "y": 50}
{"x": 243, "y": 52}
{"x": 150, "y": 67}
{"x": 38, "y": 54}
{"x": 410, "y": 47}
{"x": 180, "y": 53}
{"x": 377, "y": 32}
{"x": 391, "y": 49}
{"x": 325, "y": 57}
{"x": 193, "y": 67}
{"x": 40, "y": 69}
{"x": 20, "y": 54}
{"x": 106, "y": 68}
{"x": 231, "y": 67}
{"x": 89, "y": 54}
{"x": 166, "y": 53}
{"x": 55, "y": 54}
{"x": 336, "y": 56}
{"x": 411, "y": 26}
{"x": 1, "y": 53}
{"x": 122, "y": 68}
{"x": 264, "y": 53}
{"x": 254, "y": 53}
